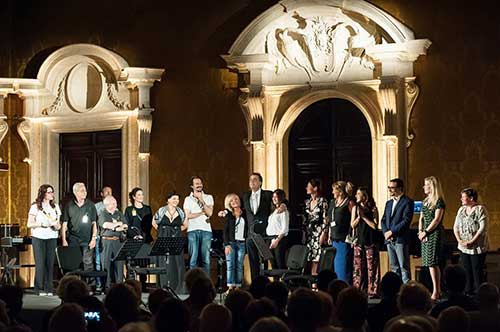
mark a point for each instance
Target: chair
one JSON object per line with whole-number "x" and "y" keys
{"x": 70, "y": 261}
{"x": 295, "y": 263}
{"x": 326, "y": 259}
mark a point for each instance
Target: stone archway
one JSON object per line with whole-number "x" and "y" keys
{"x": 84, "y": 87}
{"x": 299, "y": 52}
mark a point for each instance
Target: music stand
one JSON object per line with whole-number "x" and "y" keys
{"x": 166, "y": 246}
{"x": 127, "y": 253}
{"x": 263, "y": 249}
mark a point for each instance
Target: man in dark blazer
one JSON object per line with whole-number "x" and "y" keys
{"x": 258, "y": 206}
{"x": 396, "y": 221}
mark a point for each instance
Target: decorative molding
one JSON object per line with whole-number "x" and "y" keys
{"x": 24, "y": 129}
{"x": 387, "y": 98}
{"x": 251, "y": 104}
{"x": 411, "y": 94}
{"x": 144, "y": 124}
{"x": 56, "y": 104}
{"x": 112, "y": 90}
{"x": 320, "y": 45}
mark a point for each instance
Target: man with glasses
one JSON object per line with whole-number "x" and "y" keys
{"x": 396, "y": 222}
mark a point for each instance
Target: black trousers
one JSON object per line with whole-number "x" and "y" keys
{"x": 253, "y": 259}
{"x": 279, "y": 254}
{"x": 476, "y": 272}
{"x": 44, "y": 252}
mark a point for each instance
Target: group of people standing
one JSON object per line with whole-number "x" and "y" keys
{"x": 349, "y": 222}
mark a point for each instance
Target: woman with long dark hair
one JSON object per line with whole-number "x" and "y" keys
{"x": 43, "y": 220}
{"x": 138, "y": 216}
{"x": 364, "y": 222}
{"x": 315, "y": 223}
{"x": 277, "y": 227}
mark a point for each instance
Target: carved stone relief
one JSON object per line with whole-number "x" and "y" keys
{"x": 320, "y": 46}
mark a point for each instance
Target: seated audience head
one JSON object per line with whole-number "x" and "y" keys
{"x": 258, "y": 309}
{"x": 352, "y": 308}
{"x": 61, "y": 287}
{"x": 136, "y": 287}
{"x": 156, "y": 297}
{"x": 488, "y": 297}
{"x": 74, "y": 290}
{"x": 326, "y": 309}
{"x": 215, "y": 318}
{"x": 304, "y": 310}
{"x": 325, "y": 277}
{"x": 258, "y": 286}
{"x": 68, "y": 317}
{"x": 453, "y": 319}
{"x": 202, "y": 292}
{"x": 277, "y": 292}
{"x": 390, "y": 284}
{"x": 192, "y": 275}
{"x": 121, "y": 304}
{"x": 414, "y": 299}
{"x": 237, "y": 301}
{"x": 172, "y": 316}
{"x": 455, "y": 278}
{"x": 269, "y": 324}
{"x": 403, "y": 325}
{"x": 13, "y": 298}
{"x": 335, "y": 287}
{"x": 136, "y": 327}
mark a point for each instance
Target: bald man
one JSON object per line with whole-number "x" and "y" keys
{"x": 112, "y": 224}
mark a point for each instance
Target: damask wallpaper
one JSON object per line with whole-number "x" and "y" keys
{"x": 198, "y": 127}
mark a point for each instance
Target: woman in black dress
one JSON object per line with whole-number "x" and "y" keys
{"x": 170, "y": 221}
{"x": 138, "y": 217}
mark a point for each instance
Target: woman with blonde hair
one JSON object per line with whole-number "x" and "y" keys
{"x": 430, "y": 227}
{"x": 339, "y": 213}
{"x": 235, "y": 234}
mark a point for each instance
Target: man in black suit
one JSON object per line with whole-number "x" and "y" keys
{"x": 258, "y": 206}
{"x": 396, "y": 222}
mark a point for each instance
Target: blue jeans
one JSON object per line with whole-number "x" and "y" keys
{"x": 399, "y": 259}
{"x": 199, "y": 241}
{"x": 234, "y": 262}
{"x": 343, "y": 262}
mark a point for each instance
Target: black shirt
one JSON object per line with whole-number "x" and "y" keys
{"x": 105, "y": 216}
{"x": 340, "y": 220}
{"x": 139, "y": 222}
{"x": 366, "y": 235}
{"x": 80, "y": 219}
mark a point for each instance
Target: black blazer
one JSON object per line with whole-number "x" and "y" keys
{"x": 258, "y": 222}
{"x": 399, "y": 222}
{"x": 230, "y": 227}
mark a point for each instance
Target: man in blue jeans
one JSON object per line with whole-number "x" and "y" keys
{"x": 199, "y": 208}
{"x": 396, "y": 222}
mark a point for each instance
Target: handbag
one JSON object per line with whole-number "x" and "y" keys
{"x": 352, "y": 237}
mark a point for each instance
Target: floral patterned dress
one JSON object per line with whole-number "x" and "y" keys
{"x": 314, "y": 225}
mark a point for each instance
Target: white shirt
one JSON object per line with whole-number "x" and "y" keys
{"x": 396, "y": 200}
{"x": 45, "y": 217}
{"x": 200, "y": 223}
{"x": 239, "y": 229}
{"x": 255, "y": 200}
{"x": 278, "y": 223}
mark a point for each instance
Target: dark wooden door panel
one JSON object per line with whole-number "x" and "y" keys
{"x": 92, "y": 158}
{"x": 331, "y": 141}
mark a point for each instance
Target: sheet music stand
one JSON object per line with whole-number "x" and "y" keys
{"x": 127, "y": 253}
{"x": 263, "y": 249}
{"x": 166, "y": 246}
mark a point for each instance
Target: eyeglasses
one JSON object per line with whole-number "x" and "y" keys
{"x": 389, "y": 187}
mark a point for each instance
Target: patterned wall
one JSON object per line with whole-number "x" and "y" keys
{"x": 13, "y": 152}
{"x": 198, "y": 126}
